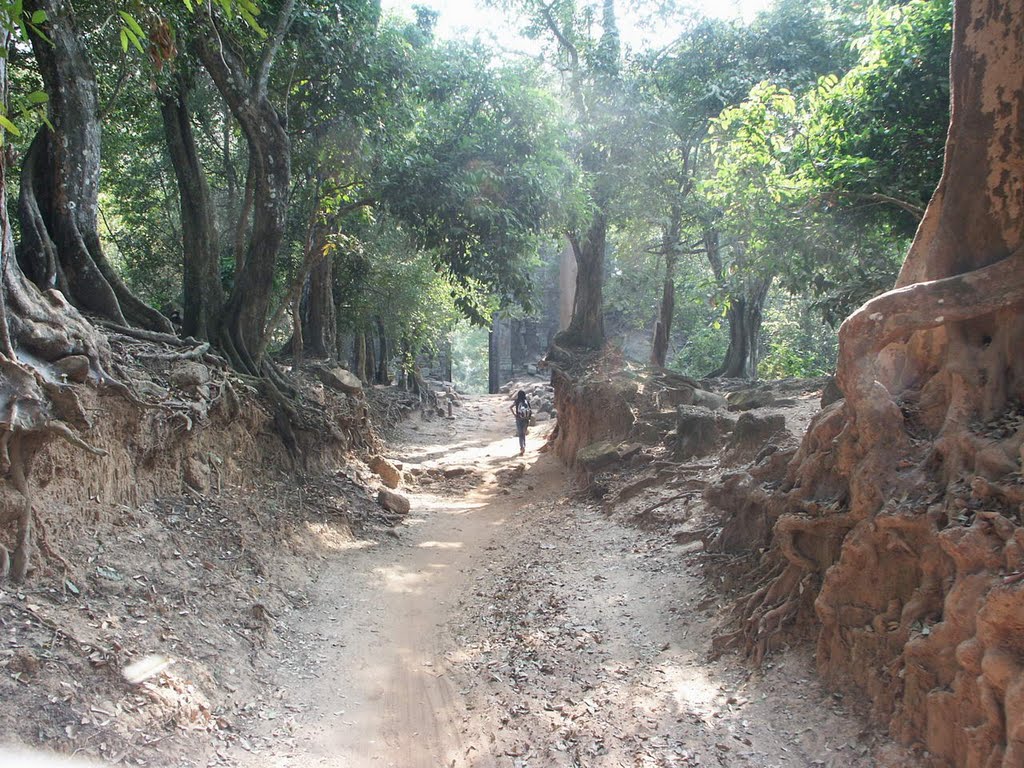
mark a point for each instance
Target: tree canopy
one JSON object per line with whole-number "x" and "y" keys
{"x": 269, "y": 168}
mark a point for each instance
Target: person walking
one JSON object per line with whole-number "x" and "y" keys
{"x": 521, "y": 410}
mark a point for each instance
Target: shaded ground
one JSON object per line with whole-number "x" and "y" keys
{"x": 508, "y": 623}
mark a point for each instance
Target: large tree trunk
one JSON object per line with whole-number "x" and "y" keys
{"x": 319, "y": 319}
{"x": 245, "y": 315}
{"x": 202, "y": 290}
{"x": 746, "y": 294}
{"x": 586, "y": 329}
{"x": 902, "y": 512}
{"x": 744, "y": 316}
{"x": 44, "y": 343}
{"x": 59, "y": 198}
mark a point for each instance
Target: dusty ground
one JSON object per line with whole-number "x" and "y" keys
{"x": 508, "y": 623}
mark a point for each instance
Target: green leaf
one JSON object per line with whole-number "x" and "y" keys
{"x": 7, "y": 125}
{"x": 251, "y": 21}
{"x": 188, "y": 4}
{"x": 133, "y": 25}
{"x": 38, "y": 97}
{"x": 124, "y": 39}
{"x": 38, "y": 17}
{"x": 134, "y": 39}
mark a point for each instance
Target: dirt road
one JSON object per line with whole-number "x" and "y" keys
{"x": 509, "y": 624}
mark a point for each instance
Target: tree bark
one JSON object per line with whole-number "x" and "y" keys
{"x": 586, "y": 329}
{"x": 42, "y": 340}
{"x": 746, "y": 294}
{"x": 493, "y": 360}
{"x": 201, "y": 284}
{"x": 369, "y": 357}
{"x": 243, "y": 323}
{"x": 319, "y": 318}
{"x": 383, "y": 375}
{"x": 359, "y": 362}
{"x": 59, "y": 198}
{"x": 667, "y": 305}
{"x": 744, "y": 316}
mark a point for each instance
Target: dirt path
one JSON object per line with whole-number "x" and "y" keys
{"x": 510, "y": 625}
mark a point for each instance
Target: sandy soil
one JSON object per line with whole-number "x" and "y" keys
{"x": 508, "y": 623}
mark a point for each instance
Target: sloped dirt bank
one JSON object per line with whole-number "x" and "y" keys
{"x": 706, "y": 474}
{"x": 914, "y": 606}
{"x": 189, "y": 544}
{"x": 918, "y": 603}
{"x": 503, "y": 622}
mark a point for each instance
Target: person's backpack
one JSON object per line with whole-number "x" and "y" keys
{"x": 523, "y": 411}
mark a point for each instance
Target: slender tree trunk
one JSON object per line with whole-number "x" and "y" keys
{"x": 59, "y": 197}
{"x": 298, "y": 349}
{"x": 667, "y": 306}
{"x": 383, "y": 374}
{"x": 370, "y": 357}
{"x": 202, "y": 290}
{"x": 359, "y": 362}
{"x": 493, "y": 363}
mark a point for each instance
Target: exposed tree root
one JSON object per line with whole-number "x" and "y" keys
{"x": 900, "y": 517}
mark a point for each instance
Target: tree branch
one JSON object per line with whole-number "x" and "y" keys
{"x": 284, "y": 22}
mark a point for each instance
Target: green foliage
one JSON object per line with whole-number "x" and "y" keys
{"x": 796, "y": 343}
{"x": 825, "y": 189}
{"x": 379, "y": 273}
{"x": 876, "y": 134}
{"x": 474, "y": 175}
{"x": 443, "y": 170}
{"x": 469, "y": 358}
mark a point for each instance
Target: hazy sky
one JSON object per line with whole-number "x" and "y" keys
{"x": 470, "y": 17}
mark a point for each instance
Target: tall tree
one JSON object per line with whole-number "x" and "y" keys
{"x": 712, "y": 67}
{"x": 901, "y": 508}
{"x": 591, "y": 68}
{"x": 202, "y": 292}
{"x": 46, "y": 346}
{"x": 245, "y": 88}
{"x": 58, "y": 205}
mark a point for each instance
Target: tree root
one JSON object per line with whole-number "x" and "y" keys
{"x": 895, "y": 315}
{"x": 62, "y": 430}
{"x": 198, "y": 353}
{"x": 155, "y": 337}
{"x": 19, "y": 479}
